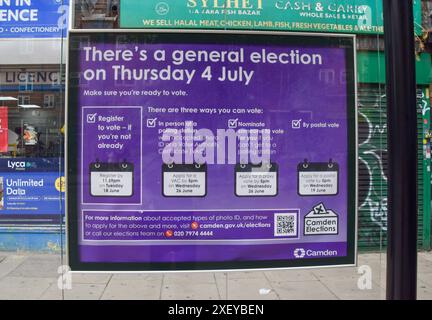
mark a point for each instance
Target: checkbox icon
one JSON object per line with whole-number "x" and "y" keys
{"x": 91, "y": 117}
{"x": 151, "y": 123}
{"x": 232, "y": 123}
{"x": 296, "y": 124}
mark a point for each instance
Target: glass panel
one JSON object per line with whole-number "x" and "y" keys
{"x": 304, "y": 104}
{"x": 32, "y": 184}
{"x": 333, "y": 16}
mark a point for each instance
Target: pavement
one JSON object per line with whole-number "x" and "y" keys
{"x": 36, "y": 276}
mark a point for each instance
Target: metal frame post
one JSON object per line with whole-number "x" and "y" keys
{"x": 402, "y": 150}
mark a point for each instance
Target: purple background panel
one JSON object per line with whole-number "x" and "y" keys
{"x": 284, "y": 93}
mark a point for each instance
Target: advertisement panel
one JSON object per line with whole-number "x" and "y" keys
{"x": 343, "y": 16}
{"x": 210, "y": 151}
{"x": 31, "y": 191}
{"x": 33, "y": 18}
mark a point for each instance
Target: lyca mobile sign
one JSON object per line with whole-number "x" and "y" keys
{"x": 33, "y": 19}
{"x": 345, "y": 16}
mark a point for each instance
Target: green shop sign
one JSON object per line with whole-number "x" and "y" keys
{"x": 341, "y": 16}
{"x": 371, "y": 68}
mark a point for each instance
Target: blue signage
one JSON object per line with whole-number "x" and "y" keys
{"x": 31, "y": 188}
{"x": 33, "y": 18}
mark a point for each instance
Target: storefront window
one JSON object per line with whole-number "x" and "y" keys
{"x": 32, "y": 86}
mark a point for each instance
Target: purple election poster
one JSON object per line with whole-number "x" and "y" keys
{"x": 210, "y": 151}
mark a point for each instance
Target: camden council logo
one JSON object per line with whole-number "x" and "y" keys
{"x": 162, "y": 8}
{"x": 299, "y": 253}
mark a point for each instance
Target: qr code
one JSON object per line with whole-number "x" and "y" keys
{"x": 285, "y": 224}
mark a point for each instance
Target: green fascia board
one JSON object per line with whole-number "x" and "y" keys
{"x": 339, "y": 16}
{"x": 371, "y": 67}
